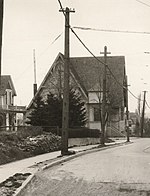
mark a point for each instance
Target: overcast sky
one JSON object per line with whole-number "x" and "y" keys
{"x": 34, "y": 24}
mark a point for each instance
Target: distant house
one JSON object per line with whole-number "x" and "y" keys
{"x": 86, "y": 78}
{"x": 8, "y": 111}
{"x": 133, "y": 122}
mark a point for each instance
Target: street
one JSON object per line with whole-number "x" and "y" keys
{"x": 122, "y": 170}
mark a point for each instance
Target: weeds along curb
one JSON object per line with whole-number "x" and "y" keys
{"x": 19, "y": 191}
{"x": 62, "y": 160}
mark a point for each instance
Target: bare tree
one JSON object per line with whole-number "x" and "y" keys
{"x": 138, "y": 115}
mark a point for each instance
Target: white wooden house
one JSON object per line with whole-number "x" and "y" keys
{"x": 8, "y": 111}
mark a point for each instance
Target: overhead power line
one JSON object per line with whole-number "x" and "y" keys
{"x": 124, "y": 87}
{"x": 134, "y": 95}
{"x": 143, "y": 3}
{"x": 110, "y": 30}
{"x": 20, "y": 75}
{"x": 147, "y": 104}
{"x": 51, "y": 43}
{"x": 61, "y": 7}
{"x": 57, "y": 38}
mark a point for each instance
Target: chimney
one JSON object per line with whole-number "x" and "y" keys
{"x": 34, "y": 89}
{"x": 35, "y": 84}
{"x": 1, "y": 32}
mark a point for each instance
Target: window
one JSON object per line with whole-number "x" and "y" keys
{"x": 97, "y": 114}
{"x": 8, "y": 97}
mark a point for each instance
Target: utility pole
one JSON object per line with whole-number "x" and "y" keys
{"x": 143, "y": 112}
{"x": 127, "y": 112}
{"x": 35, "y": 84}
{"x": 103, "y": 123}
{"x": 65, "y": 113}
{"x": 1, "y": 31}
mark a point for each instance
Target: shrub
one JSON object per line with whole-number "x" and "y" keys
{"x": 14, "y": 147}
{"x": 42, "y": 144}
{"x": 8, "y": 137}
{"x": 52, "y": 129}
{"x": 26, "y": 131}
{"x": 83, "y": 133}
{"x": 80, "y": 132}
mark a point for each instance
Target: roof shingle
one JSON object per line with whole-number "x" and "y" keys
{"x": 90, "y": 75}
{"x": 6, "y": 83}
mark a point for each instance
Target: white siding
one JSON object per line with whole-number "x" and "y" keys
{"x": 94, "y": 97}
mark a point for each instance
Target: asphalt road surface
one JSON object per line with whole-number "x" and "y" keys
{"x": 117, "y": 171}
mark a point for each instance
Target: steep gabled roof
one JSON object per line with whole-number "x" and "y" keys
{"x": 59, "y": 56}
{"x": 90, "y": 70}
{"x": 89, "y": 73}
{"x": 6, "y": 83}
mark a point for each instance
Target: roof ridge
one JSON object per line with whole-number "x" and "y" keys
{"x": 97, "y": 56}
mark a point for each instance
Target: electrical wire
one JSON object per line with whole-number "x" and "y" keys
{"x": 134, "y": 96}
{"x": 56, "y": 38}
{"x": 51, "y": 43}
{"x": 124, "y": 87}
{"x": 20, "y": 75}
{"x": 88, "y": 48}
{"x": 147, "y": 104}
{"x": 143, "y": 3}
{"x": 61, "y": 7}
{"x": 109, "y": 30}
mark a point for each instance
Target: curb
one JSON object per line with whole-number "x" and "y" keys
{"x": 84, "y": 152}
{"x": 65, "y": 159}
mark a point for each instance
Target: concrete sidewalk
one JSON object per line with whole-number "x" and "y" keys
{"x": 32, "y": 164}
